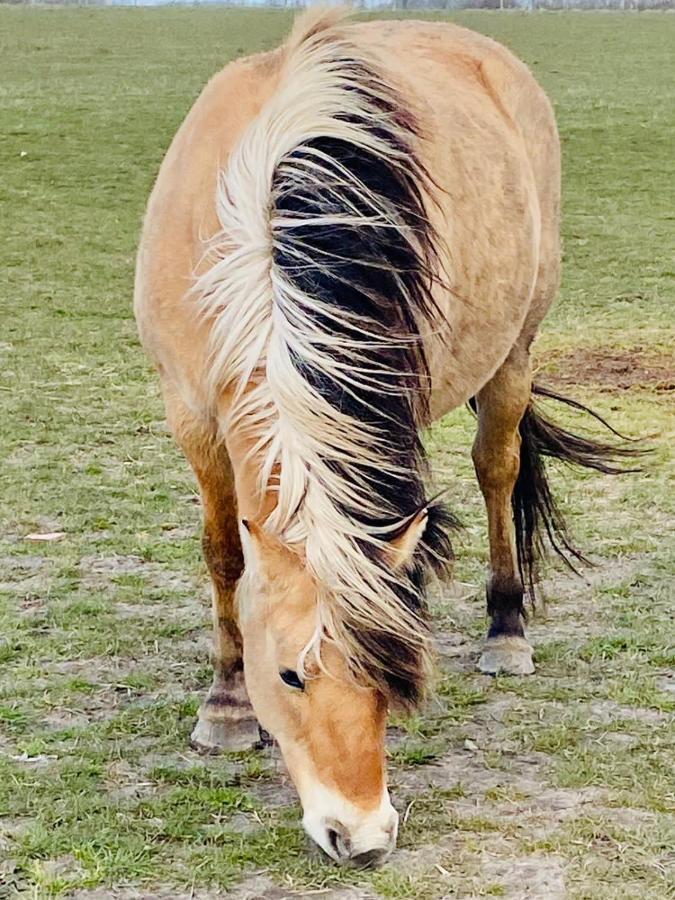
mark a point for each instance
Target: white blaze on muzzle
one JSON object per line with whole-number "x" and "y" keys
{"x": 345, "y": 832}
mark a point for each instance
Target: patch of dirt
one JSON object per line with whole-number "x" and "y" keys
{"x": 611, "y": 370}
{"x": 259, "y": 887}
{"x": 61, "y": 719}
{"x": 629, "y": 817}
{"x": 62, "y": 867}
{"x": 109, "y": 671}
{"x": 606, "y": 711}
{"x": 18, "y": 565}
{"x": 489, "y": 864}
{"x": 97, "y": 570}
{"x": 666, "y": 684}
{"x": 529, "y": 802}
{"x": 159, "y": 893}
{"x": 41, "y": 761}
{"x": 468, "y": 769}
{"x": 567, "y": 585}
{"x": 275, "y": 793}
{"x": 188, "y": 613}
{"x": 6, "y": 749}
{"x": 85, "y": 665}
{"x": 123, "y": 781}
{"x": 538, "y": 876}
{"x": 27, "y": 579}
{"x": 173, "y": 532}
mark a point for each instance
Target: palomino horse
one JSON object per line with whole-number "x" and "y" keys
{"x": 350, "y": 236}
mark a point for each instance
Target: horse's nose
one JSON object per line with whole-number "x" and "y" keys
{"x": 343, "y": 848}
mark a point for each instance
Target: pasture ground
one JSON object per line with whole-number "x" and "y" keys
{"x": 559, "y": 785}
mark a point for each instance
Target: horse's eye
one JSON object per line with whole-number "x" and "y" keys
{"x": 292, "y": 679}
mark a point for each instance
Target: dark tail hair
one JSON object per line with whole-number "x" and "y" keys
{"x": 538, "y": 519}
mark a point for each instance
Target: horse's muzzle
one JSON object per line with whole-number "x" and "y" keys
{"x": 356, "y": 850}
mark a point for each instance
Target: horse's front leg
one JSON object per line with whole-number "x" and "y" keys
{"x": 226, "y": 719}
{"x": 501, "y": 405}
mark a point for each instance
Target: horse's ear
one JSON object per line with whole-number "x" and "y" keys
{"x": 400, "y": 549}
{"x": 262, "y": 551}
{"x": 252, "y": 529}
{"x": 254, "y": 544}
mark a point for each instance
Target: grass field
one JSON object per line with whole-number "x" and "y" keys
{"x": 559, "y": 785}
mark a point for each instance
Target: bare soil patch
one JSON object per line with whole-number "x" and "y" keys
{"x": 536, "y": 876}
{"x": 259, "y": 887}
{"x": 160, "y": 893}
{"x": 98, "y": 571}
{"x": 610, "y": 369}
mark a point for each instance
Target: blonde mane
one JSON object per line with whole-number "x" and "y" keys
{"x": 300, "y": 362}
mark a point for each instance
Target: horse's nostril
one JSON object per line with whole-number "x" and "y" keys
{"x": 333, "y": 840}
{"x": 338, "y": 841}
{"x": 370, "y": 858}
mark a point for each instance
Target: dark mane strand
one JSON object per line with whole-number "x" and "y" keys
{"x": 375, "y": 282}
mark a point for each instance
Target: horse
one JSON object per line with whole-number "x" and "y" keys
{"x": 350, "y": 236}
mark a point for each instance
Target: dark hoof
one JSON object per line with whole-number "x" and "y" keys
{"x": 507, "y": 656}
{"x": 265, "y": 739}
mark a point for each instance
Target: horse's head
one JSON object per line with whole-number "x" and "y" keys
{"x": 331, "y": 730}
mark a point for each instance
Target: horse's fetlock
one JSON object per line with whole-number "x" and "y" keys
{"x": 505, "y": 606}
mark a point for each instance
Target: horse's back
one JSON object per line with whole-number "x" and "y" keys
{"x": 490, "y": 145}
{"x": 493, "y": 149}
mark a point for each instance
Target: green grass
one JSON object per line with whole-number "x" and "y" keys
{"x": 103, "y": 636}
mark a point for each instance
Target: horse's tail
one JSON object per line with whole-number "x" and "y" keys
{"x": 538, "y": 519}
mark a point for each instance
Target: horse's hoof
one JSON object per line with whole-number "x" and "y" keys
{"x": 507, "y": 656}
{"x": 221, "y": 736}
{"x": 226, "y": 718}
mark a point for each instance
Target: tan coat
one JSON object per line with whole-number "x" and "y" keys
{"x": 492, "y": 148}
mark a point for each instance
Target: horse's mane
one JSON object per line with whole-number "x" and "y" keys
{"x": 320, "y": 292}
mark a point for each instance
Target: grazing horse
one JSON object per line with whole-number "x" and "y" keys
{"x": 349, "y": 237}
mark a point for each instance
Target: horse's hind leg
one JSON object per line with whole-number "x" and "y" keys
{"x": 500, "y": 406}
{"x": 226, "y": 719}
